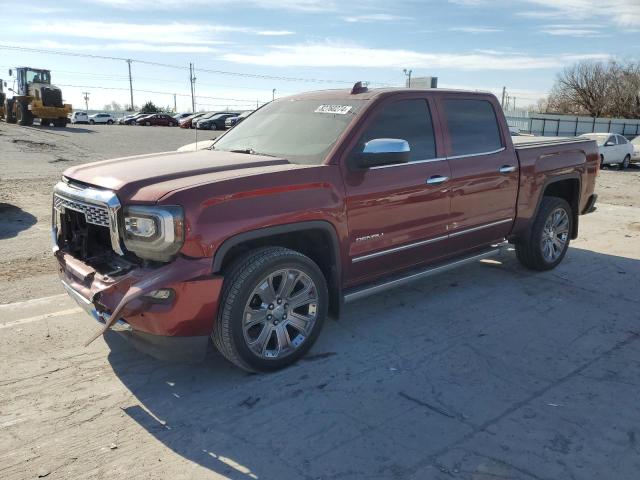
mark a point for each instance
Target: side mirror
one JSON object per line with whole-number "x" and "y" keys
{"x": 383, "y": 151}
{"x": 609, "y": 144}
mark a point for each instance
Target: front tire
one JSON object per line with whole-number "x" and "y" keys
{"x": 25, "y": 117}
{"x": 274, "y": 302}
{"x": 92, "y": 122}
{"x": 625, "y": 163}
{"x": 549, "y": 238}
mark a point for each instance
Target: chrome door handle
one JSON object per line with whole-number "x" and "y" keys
{"x": 507, "y": 169}
{"x": 436, "y": 179}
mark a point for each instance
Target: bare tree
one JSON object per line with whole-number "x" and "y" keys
{"x": 597, "y": 89}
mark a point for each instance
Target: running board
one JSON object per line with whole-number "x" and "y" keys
{"x": 370, "y": 289}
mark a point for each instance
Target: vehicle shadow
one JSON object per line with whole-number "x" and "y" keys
{"x": 13, "y": 220}
{"x": 398, "y": 377}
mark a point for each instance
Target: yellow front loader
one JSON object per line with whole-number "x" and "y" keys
{"x": 35, "y": 97}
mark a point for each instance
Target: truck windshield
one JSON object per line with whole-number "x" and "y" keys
{"x": 302, "y": 131}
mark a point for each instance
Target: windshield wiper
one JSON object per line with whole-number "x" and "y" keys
{"x": 251, "y": 151}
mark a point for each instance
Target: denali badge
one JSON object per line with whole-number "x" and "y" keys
{"x": 369, "y": 237}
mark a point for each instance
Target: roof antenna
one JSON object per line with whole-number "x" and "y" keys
{"x": 359, "y": 87}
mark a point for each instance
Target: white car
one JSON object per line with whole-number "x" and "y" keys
{"x": 101, "y": 118}
{"x": 79, "y": 117}
{"x": 614, "y": 148}
{"x": 635, "y": 156}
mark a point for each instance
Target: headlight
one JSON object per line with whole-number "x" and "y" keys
{"x": 153, "y": 233}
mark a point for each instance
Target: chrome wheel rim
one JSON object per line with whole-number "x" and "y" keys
{"x": 555, "y": 234}
{"x": 280, "y": 313}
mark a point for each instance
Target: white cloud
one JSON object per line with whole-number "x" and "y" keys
{"x": 374, "y": 17}
{"x": 476, "y": 29}
{"x": 624, "y": 13}
{"x": 335, "y": 55}
{"x": 129, "y": 46}
{"x": 572, "y": 31}
{"x": 166, "y": 33}
{"x": 294, "y": 5}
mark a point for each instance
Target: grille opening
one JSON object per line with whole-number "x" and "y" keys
{"x": 91, "y": 244}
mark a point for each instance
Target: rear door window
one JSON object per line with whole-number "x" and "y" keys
{"x": 473, "y": 126}
{"x": 408, "y": 120}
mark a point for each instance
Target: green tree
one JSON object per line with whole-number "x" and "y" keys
{"x": 149, "y": 107}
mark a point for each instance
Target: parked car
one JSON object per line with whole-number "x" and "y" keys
{"x": 101, "y": 118}
{"x": 181, "y": 116}
{"x": 635, "y": 156}
{"x": 79, "y": 117}
{"x": 187, "y": 122}
{"x": 157, "y": 119}
{"x": 233, "y": 121}
{"x": 131, "y": 119}
{"x": 614, "y": 149}
{"x": 313, "y": 201}
{"x": 216, "y": 122}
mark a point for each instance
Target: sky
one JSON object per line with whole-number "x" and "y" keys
{"x": 242, "y": 50}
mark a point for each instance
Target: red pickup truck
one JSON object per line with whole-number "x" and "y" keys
{"x": 314, "y": 200}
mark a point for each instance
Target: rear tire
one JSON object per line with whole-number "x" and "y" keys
{"x": 60, "y": 122}
{"x": 625, "y": 163}
{"x": 92, "y": 122}
{"x": 549, "y": 237}
{"x": 45, "y": 123}
{"x": 24, "y": 117}
{"x": 259, "y": 326}
{"x": 109, "y": 122}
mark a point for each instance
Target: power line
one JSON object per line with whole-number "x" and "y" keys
{"x": 180, "y": 67}
{"x": 155, "y": 92}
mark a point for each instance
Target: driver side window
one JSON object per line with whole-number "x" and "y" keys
{"x": 408, "y": 120}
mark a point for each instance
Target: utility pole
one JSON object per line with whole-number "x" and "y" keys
{"x": 508, "y": 102}
{"x": 256, "y": 103}
{"x": 192, "y": 79}
{"x": 504, "y": 92}
{"x": 514, "y": 103}
{"x": 408, "y": 74}
{"x": 175, "y": 105}
{"x": 86, "y": 101}
{"x": 273, "y": 94}
{"x": 130, "y": 83}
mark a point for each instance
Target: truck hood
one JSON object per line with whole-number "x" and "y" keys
{"x": 147, "y": 178}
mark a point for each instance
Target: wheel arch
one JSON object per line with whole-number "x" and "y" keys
{"x": 568, "y": 187}
{"x": 316, "y": 239}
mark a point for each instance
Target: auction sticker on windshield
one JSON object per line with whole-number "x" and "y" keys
{"x": 337, "y": 109}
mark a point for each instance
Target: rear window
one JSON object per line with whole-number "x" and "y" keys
{"x": 473, "y": 126}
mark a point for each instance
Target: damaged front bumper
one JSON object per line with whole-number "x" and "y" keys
{"x": 177, "y": 327}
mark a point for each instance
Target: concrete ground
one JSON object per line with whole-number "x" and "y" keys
{"x": 486, "y": 372}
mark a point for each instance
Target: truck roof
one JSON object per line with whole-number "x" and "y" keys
{"x": 374, "y": 92}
